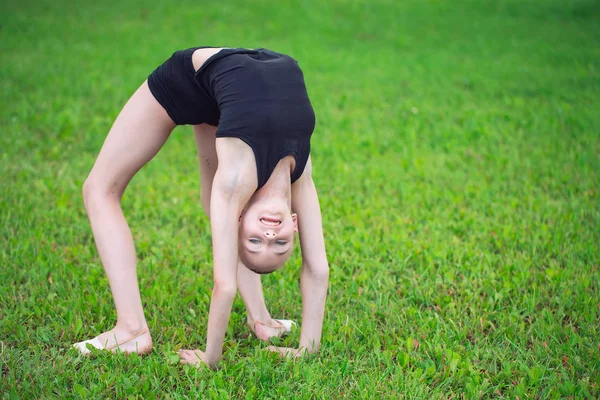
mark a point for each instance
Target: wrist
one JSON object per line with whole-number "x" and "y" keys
{"x": 211, "y": 362}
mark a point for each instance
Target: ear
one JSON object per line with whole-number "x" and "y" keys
{"x": 295, "y": 221}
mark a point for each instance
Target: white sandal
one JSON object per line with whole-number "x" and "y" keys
{"x": 286, "y": 324}
{"x": 95, "y": 342}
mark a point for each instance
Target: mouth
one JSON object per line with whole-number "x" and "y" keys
{"x": 270, "y": 222}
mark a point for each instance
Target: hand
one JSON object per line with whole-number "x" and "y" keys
{"x": 193, "y": 357}
{"x": 287, "y": 351}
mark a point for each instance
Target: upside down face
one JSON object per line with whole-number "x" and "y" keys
{"x": 266, "y": 236}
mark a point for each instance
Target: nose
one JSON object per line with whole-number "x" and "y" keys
{"x": 270, "y": 234}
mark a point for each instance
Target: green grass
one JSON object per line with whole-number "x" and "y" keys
{"x": 457, "y": 155}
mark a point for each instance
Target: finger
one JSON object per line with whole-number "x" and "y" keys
{"x": 184, "y": 353}
{"x": 283, "y": 351}
{"x": 276, "y": 349}
{"x": 199, "y": 354}
{"x": 299, "y": 352}
{"x": 192, "y": 360}
{"x": 191, "y": 353}
{"x": 184, "y": 360}
{"x": 187, "y": 356}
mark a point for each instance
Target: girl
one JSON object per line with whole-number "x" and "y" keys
{"x": 252, "y": 123}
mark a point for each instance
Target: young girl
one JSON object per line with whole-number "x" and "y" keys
{"x": 252, "y": 123}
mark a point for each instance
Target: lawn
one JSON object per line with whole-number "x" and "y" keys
{"x": 457, "y": 158}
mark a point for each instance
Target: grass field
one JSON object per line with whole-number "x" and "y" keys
{"x": 457, "y": 156}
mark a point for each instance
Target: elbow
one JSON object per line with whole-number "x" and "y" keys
{"x": 322, "y": 273}
{"x": 225, "y": 289}
{"x": 318, "y": 272}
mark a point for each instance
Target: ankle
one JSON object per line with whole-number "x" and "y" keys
{"x": 131, "y": 326}
{"x": 265, "y": 319}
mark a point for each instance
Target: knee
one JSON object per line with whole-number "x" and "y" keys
{"x": 97, "y": 193}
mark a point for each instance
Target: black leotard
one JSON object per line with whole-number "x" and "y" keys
{"x": 258, "y": 96}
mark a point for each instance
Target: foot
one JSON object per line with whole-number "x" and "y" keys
{"x": 273, "y": 328}
{"x": 119, "y": 340}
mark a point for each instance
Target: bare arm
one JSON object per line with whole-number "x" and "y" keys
{"x": 315, "y": 268}
{"x": 234, "y": 183}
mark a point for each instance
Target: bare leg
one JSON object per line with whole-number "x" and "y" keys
{"x": 249, "y": 284}
{"x": 138, "y": 133}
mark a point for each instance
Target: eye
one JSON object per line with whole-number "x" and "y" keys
{"x": 280, "y": 242}
{"x": 253, "y": 240}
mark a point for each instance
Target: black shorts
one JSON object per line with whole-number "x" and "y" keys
{"x": 174, "y": 86}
